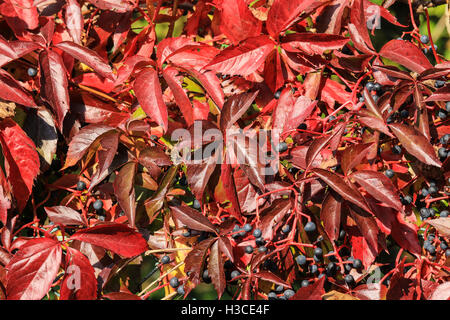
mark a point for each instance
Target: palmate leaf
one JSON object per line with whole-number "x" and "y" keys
{"x": 32, "y": 269}
{"x": 115, "y": 237}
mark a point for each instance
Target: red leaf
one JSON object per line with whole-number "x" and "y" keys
{"x": 64, "y": 215}
{"x": 115, "y": 237}
{"x": 22, "y": 12}
{"x": 170, "y": 75}
{"x": 54, "y": 84}
{"x": 88, "y": 57}
{"x": 149, "y": 94}
{"x": 367, "y": 226}
{"x": 314, "y": 291}
{"x": 331, "y": 215}
{"x": 406, "y": 54}
{"x": 234, "y": 108}
{"x": 21, "y": 160}
{"x": 405, "y": 234}
{"x": 124, "y": 190}
{"x": 379, "y": 186}
{"x": 269, "y": 276}
{"x": 74, "y": 20}
{"x": 192, "y": 218}
{"x": 215, "y": 269}
{"x": 341, "y": 187}
{"x": 245, "y": 150}
{"x": 441, "y": 94}
{"x": 119, "y": 6}
{"x": 79, "y": 282}
{"x": 19, "y": 49}
{"x": 353, "y": 155}
{"x": 237, "y": 22}
{"x": 318, "y": 145}
{"x": 243, "y": 59}
{"x": 415, "y": 143}
{"x": 290, "y": 112}
{"x": 198, "y": 174}
{"x": 195, "y": 260}
{"x": 106, "y": 153}
{"x": 12, "y": 90}
{"x": 442, "y": 292}
{"x": 32, "y": 269}
{"x": 226, "y": 177}
{"x": 313, "y": 43}
{"x": 442, "y": 225}
{"x": 283, "y": 14}
{"x": 272, "y": 217}
{"x": 82, "y": 141}
{"x": 358, "y": 28}
{"x": 212, "y": 85}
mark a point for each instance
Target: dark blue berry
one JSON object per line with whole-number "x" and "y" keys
{"x": 404, "y": 114}
{"x": 286, "y": 228}
{"x": 407, "y": 200}
{"x": 180, "y": 290}
{"x": 289, "y": 293}
{"x": 377, "y": 87}
{"x": 442, "y": 152}
{"x": 165, "y": 259}
{"x": 235, "y": 274}
{"x": 98, "y": 205}
{"x": 272, "y": 295}
{"x": 370, "y": 86}
{"x": 313, "y": 269}
{"x": 431, "y": 249}
{"x": 174, "y": 282}
{"x": 305, "y": 283}
{"x": 282, "y": 147}
{"x": 81, "y": 185}
{"x": 249, "y": 249}
{"x": 301, "y": 260}
{"x": 247, "y": 227}
{"x": 447, "y": 106}
{"x": 424, "y": 39}
{"x": 397, "y": 149}
{"x": 260, "y": 241}
{"x": 277, "y": 94}
{"x": 310, "y": 226}
{"x": 262, "y": 249}
{"x": 302, "y": 126}
{"x": 432, "y": 190}
{"x": 257, "y": 233}
{"x": 186, "y": 234}
{"x": 196, "y": 204}
{"x": 205, "y": 276}
{"x": 357, "y": 263}
{"x": 424, "y": 213}
{"x": 349, "y": 279}
{"x": 318, "y": 252}
{"x": 389, "y": 173}
{"x": 279, "y": 289}
{"x": 447, "y": 253}
{"x": 32, "y": 72}
{"x": 444, "y": 214}
{"x": 439, "y": 84}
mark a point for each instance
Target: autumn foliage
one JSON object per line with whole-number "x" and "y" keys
{"x": 93, "y": 205}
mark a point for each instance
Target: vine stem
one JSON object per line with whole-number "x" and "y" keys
{"x": 438, "y": 60}
{"x": 160, "y": 278}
